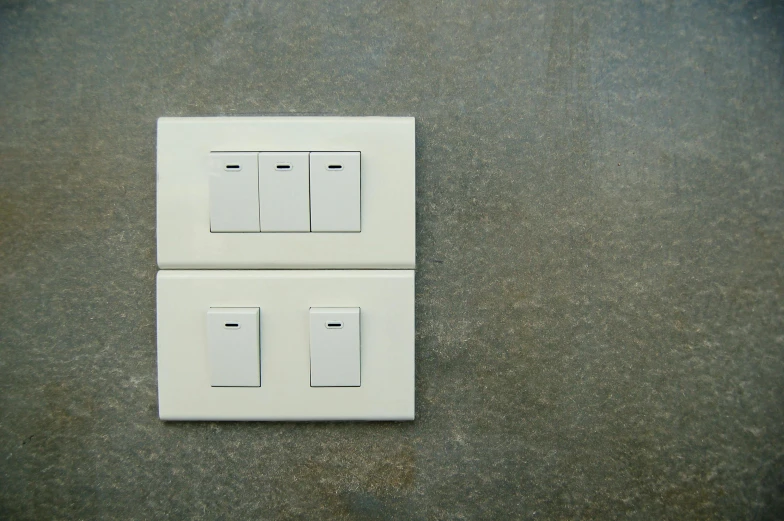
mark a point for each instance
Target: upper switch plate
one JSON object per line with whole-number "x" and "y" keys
{"x": 384, "y": 239}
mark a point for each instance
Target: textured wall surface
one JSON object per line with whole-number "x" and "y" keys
{"x": 600, "y": 294}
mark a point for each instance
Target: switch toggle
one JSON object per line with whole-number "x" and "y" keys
{"x": 284, "y": 186}
{"x": 233, "y": 343}
{"x": 335, "y": 191}
{"x": 234, "y": 192}
{"x": 334, "y": 347}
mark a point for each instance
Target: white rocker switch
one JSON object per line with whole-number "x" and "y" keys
{"x": 234, "y": 192}
{"x": 335, "y": 191}
{"x": 334, "y": 347}
{"x": 233, "y": 343}
{"x": 284, "y": 191}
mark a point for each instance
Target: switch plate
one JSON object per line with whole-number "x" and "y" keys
{"x": 347, "y": 251}
{"x": 334, "y": 347}
{"x": 284, "y": 188}
{"x": 387, "y": 193}
{"x": 233, "y": 347}
{"x": 335, "y": 192}
{"x": 285, "y": 297}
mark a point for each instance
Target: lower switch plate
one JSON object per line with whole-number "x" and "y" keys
{"x": 386, "y": 300}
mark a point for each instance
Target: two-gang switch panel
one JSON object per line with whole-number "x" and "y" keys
{"x": 286, "y": 247}
{"x": 285, "y": 192}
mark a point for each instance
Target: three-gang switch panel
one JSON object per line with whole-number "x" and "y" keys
{"x": 314, "y": 325}
{"x": 285, "y": 192}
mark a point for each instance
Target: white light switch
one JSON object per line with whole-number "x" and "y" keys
{"x": 234, "y": 192}
{"x": 233, "y": 343}
{"x": 335, "y": 191}
{"x": 284, "y": 191}
{"x": 334, "y": 347}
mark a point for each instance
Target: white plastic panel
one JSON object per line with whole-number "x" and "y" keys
{"x": 387, "y": 193}
{"x": 285, "y": 297}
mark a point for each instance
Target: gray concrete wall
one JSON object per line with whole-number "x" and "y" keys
{"x": 600, "y": 251}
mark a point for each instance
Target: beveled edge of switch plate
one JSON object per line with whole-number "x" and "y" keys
{"x": 388, "y": 193}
